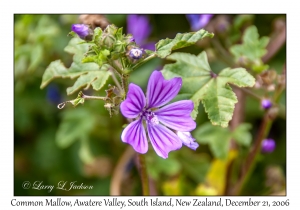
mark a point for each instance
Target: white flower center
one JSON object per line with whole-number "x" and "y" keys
{"x": 151, "y": 117}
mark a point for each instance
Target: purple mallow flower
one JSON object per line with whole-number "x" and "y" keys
{"x": 198, "y": 21}
{"x": 158, "y": 120}
{"x": 81, "y": 30}
{"x": 268, "y": 145}
{"x": 187, "y": 139}
{"x": 266, "y": 104}
{"x": 139, "y": 26}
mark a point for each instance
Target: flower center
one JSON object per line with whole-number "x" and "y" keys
{"x": 151, "y": 117}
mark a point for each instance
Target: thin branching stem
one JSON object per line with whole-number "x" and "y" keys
{"x": 144, "y": 61}
{"x": 116, "y": 81}
{"x": 94, "y": 97}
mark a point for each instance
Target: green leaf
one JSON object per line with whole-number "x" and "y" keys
{"x": 242, "y": 135}
{"x": 218, "y": 138}
{"x": 165, "y": 46}
{"x": 36, "y": 57}
{"x": 76, "y": 124}
{"x": 97, "y": 79}
{"x": 251, "y": 50}
{"x": 90, "y": 73}
{"x": 158, "y": 166}
{"x": 85, "y": 152}
{"x": 201, "y": 83}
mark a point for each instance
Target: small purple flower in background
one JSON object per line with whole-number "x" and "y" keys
{"x": 175, "y": 116}
{"x": 53, "y": 95}
{"x": 139, "y": 26}
{"x": 198, "y": 21}
{"x": 81, "y": 30}
{"x": 266, "y": 104}
{"x": 268, "y": 145}
{"x": 187, "y": 139}
{"x": 136, "y": 53}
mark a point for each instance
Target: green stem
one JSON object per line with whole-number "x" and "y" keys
{"x": 94, "y": 97}
{"x": 250, "y": 160}
{"x": 144, "y": 61}
{"x": 115, "y": 67}
{"x": 125, "y": 83}
{"x": 143, "y": 172}
{"x": 250, "y": 93}
{"x": 115, "y": 79}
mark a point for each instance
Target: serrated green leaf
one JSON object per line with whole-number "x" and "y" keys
{"x": 200, "y": 83}
{"x": 165, "y": 46}
{"x": 90, "y": 73}
{"x": 97, "y": 79}
{"x": 252, "y": 49}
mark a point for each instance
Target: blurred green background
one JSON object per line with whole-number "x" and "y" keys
{"x": 83, "y": 144}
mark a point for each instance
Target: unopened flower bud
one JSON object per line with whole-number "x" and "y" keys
{"x": 108, "y": 41}
{"x": 268, "y": 145}
{"x": 135, "y": 53}
{"x": 266, "y": 104}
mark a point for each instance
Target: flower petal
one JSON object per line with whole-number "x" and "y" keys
{"x": 134, "y": 103}
{"x": 135, "y": 135}
{"x": 177, "y": 115}
{"x": 163, "y": 140}
{"x": 161, "y": 91}
{"x": 188, "y": 140}
{"x": 139, "y": 26}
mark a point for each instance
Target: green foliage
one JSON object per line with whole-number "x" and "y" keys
{"x": 158, "y": 166}
{"x": 30, "y": 45}
{"x": 200, "y": 83}
{"x": 218, "y": 138}
{"x": 76, "y": 124}
{"x": 251, "y": 50}
{"x": 88, "y": 73}
{"x": 165, "y": 46}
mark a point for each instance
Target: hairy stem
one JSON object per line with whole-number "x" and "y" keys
{"x": 116, "y": 80}
{"x": 94, "y": 97}
{"x": 144, "y": 176}
{"x": 144, "y": 61}
{"x": 125, "y": 78}
{"x": 116, "y": 67}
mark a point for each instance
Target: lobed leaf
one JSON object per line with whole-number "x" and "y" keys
{"x": 88, "y": 73}
{"x": 200, "y": 83}
{"x": 251, "y": 50}
{"x": 165, "y": 46}
{"x": 218, "y": 138}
